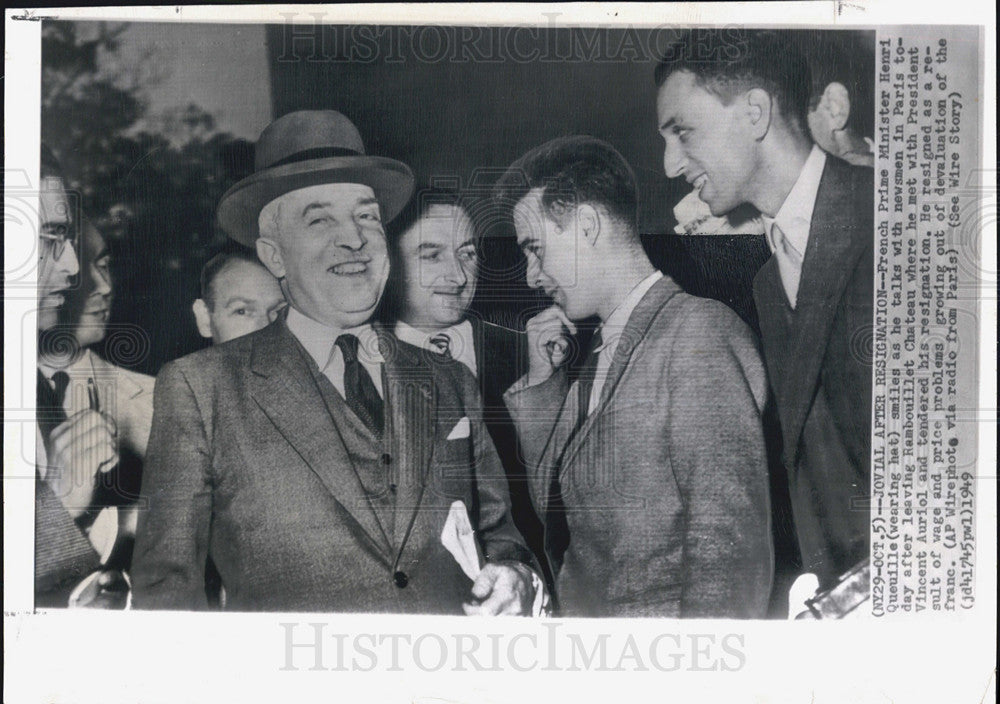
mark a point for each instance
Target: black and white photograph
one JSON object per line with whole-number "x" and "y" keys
{"x": 339, "y": 317}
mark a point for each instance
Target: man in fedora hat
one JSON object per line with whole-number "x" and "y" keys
{"x": 319, "y": 462}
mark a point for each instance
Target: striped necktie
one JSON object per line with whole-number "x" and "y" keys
{"x": 442, "y": 344}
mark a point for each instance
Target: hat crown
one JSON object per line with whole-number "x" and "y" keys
{"x": 307, "y": 134}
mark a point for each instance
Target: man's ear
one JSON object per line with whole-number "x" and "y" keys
{"x": 760, "y": 112}
{"x": 269, "y": 254}
{"x": 202, "y": 318}
{"x": 836, "y": 103}
{"x": 589, "y": 223}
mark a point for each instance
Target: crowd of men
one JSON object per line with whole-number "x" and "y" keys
{"x": 355, "y": 439}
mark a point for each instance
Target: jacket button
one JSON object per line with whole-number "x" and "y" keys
{"x": 386, "y": 458}
{"x": 400, "y": 579}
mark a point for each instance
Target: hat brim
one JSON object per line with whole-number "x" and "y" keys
{"x": 239, "y": 209}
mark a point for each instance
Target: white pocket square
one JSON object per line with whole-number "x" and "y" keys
{"x": 461, "y": 429}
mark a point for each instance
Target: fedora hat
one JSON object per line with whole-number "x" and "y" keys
{"x": 308, "y": 148}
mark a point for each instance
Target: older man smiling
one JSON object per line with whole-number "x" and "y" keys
{"x": 317, "y": 461}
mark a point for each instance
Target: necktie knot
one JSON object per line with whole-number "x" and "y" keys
{"x": 442, "y": 344}
{"x": 359, "y": 390}
{"x": 348, "y": 345}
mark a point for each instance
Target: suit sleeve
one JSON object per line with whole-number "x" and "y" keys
{"x": 63, "y": 554}
{"x": 498, "y": 535}
{"x": 534, "y": 411}
{"x": 717, "y": 452}
{"x": 168, "y": 567}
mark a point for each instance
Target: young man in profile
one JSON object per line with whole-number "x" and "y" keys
{"x": 735, "y": 126}
{"x": 649, "y": 471}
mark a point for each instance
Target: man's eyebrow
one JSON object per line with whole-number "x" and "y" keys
{"x": 469, "y": 242}
{"x": 314, "y": 206}
{"x": 424, "y": 246}
{"x": 528, "y": 242}
{"x": 237, "y": 299}
{"x": 668, "y": 124}
{"x": 367, "y": 201}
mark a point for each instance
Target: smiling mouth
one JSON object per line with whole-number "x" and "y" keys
{"x": 349, "y": 268}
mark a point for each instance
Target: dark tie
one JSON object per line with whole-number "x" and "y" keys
{"x": 442, "y": 344}
{"x": 586, "y": 379}
{"x": 50, "y": 401}
{"x": 359, "y": 389}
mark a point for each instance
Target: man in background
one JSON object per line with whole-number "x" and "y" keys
{"x": 736, "y": 128}
{"x": 430, "y": 296}
{"x": 238, "y": 296}
{"x": 649, "y": 471}
{"x": 841, "y": 114}
{"x": 71, "y": 449}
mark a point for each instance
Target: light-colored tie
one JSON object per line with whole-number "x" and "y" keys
{"x": 789, "y": 263}
{"x": 442, "y": 344}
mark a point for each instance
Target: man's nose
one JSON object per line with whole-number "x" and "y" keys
{"x": 456, "y": 273}
{"x": 102, "y": 284}
{"x": 533, "y": 273}
{"x": 674, "y": 159}
{"x": 351, "y": 236}
{"x": 68, "y": 261}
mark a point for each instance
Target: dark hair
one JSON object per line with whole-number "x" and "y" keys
{"x": 728, "y": 62}
{"x": 847, "y": 58}
{"x": 49, "y": 166}
{"x": 423, "y": 200}
{"x": 572, "y": 171}
{"x": 214, "y": 266}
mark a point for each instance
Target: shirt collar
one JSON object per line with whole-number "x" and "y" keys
{"x": 461, "y": 336}
{"x": 795, "y": 214}
{"x": 318, "y": 339}
{"x": 620, "y": 315}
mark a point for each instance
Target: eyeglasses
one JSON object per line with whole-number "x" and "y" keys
{"x": 57, "y": 243}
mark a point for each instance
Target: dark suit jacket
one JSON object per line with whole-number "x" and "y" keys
{"x": 501, "y": 358}
{"x": 665, "y": 483}
{"x": 246, "y": 464}
{"x": 819, "y": 360}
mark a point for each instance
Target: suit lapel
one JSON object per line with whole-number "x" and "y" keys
{"x": 412, "y": 397}
{"x": 631, "y": 337}
{"x": 283, "y": 386}
{"x": 835, "y": 245}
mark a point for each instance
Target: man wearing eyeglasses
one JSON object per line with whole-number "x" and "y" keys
{"x": 72, "y": 449}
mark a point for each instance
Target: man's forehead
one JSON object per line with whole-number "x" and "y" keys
{"x": 443, "y": 224}
{"x": 333, "y": 194}
{"x": 244, "y": 276}
{"x": 53, "y": 201}
{"x": 529, "y": 215}
{"x": 678, "y": 93}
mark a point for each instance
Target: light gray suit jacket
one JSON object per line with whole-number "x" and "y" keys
{"x": 666, "y": 481}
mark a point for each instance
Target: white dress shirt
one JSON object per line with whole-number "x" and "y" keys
{"x": 611, "y": 332}
{"x": 320, "y": 341}
{"x": 103, "y": 532}
{"x": 788, "y": 231}
{"x": 460, "y": 341}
